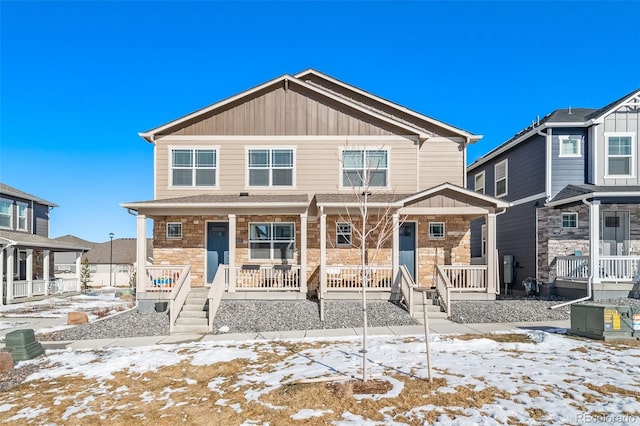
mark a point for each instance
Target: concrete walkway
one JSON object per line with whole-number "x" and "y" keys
{"x": 436, "y": 327}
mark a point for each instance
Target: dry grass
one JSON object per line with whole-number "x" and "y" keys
{"x": 498, "y": 337}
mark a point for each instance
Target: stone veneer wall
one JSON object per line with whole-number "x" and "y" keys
{"x": 554, "y": 241}
{"x": 191, "y": 249}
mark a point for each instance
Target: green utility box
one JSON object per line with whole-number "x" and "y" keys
{"x": 635, "y": 322}
{"x": 604, "y": 322}
{"x": 23, "y": 345}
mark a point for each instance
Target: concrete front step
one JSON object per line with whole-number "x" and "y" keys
{"x": 193, "y": 314}
{"x": 191, "y": 329}
{"x": 191, "y": 321}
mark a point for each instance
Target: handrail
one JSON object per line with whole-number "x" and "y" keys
{"x": 572, "y": 266}
{"x": 443, "y": 285}
{"x": 178, "y": 296}
{"x": 346, "y": 277}
{"x": 406, "y": 284}
{"x": 216, "y": 291}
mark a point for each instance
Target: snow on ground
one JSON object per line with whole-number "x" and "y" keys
{"x": 547, "y": 379}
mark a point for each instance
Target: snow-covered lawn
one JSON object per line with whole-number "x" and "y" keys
{"x": 531, "y": 378}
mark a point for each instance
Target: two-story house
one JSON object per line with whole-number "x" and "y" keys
{"x": 573, "y": 181}
{"x": 26, "y": 264}
{"x": 258, "y": 196}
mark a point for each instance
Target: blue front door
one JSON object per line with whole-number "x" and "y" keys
{"x": 408, "y": 247}
{"x": 217, "y": 247}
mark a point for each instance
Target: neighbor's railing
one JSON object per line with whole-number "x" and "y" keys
{"x": 340, "y": 277}
{"x": 162, "y": 278}
{"x": 66, "y": 285}
{"x": 572, "y": 267}
{"x": 618, "y": 268}
{"x": 20, "y": 288}
{"x": 39, "y": 288}
{"x": 179, "y": 293}
{"x": 406, "y": 284}
{"x": 267, "y": 277}
{"x": 216, "y": 291}
{"x": 443, "y": 286}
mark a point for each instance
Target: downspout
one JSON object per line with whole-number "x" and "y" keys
{"x": 589, "y": 281}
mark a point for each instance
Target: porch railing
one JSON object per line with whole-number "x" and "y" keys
{"x": 443, "y": 286}
{"x": 162, "y": 278}
{"x": 473, "y": 277}
{"x": 267, "y": 277}
{"x": 610, "y": 268}
{"x": 406, "y": 285}
{"x": 350, "y": 277}
{"x": 216, "y": 291}
{"x": 20, "y": 288}
{"x": 65, "y": 285}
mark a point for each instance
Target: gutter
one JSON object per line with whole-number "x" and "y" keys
{"x": 583, "y": 197}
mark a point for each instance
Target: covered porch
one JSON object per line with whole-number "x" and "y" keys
{"x": 26, "y": 268}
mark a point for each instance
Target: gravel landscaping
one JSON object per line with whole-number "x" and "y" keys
{"x": 246, "y": 317}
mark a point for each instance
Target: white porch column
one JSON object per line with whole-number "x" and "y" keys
{"x": 29, "y": 272}
{"x": 303, "y": 252}
{"x": 594, "y": 240}
{"x": 45, "y": 270}
{"x": 323, "y": 253}
{"x": 2, "y": 276}
{"x": 492, "y": 270}
{"x": 78, "y": 267}
{"x": 10, "y": 254}
{"x": 231, "y": 285}
{"x": 141, "y": 252}
{"x": 395, "y": 245}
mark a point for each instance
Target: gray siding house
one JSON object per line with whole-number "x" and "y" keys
{"x": 572, "y": 179}
{"x": 26, "y": 264}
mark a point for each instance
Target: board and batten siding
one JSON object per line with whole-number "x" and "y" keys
{"x": 441, "y": 161}
{"x": 41, "y": 213}
{"x": 317, "y": 166}
{"x": 567, "y": 170}
{"x": 625, "y": 119}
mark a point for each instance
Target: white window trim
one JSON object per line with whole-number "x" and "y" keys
{"x": 10, "y": 213}
{"x": 363, "y": 148}
{"x": 349, "y": 235}
{"x": 271, "y": 259}
{"x": 444, "y": 231}
{"x": 575, "y": 214}
{"x": 563, "y": 138}
{"x": 270, "y": 168}
{"x": 632, "y": 169}
{"x": 506, "y": 178}
{"x": 193, "y": 186}
{"x": 173, "y": 237}
{"x": 475, "y": 182}
{"x": 483, "y": 240}
{"x": 26, "y": 216}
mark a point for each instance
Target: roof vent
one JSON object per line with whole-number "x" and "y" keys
{"x": 569, "y": 109}
{"x": 244, "y": 194}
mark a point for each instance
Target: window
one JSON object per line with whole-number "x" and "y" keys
{"x": 122, "y": 268}
{"x": 479, "y": 185}
{"x": 483, "y": 248}
{"x": 93, "y": 269}
{"x": 22, "y": 216}
{"x": 619, "y": 154}
{"x": 343, "y": 234}
{"x": 6, "y": 213}
{"x": 365, "y": 168}
{"x": 569, "y": 220}
{"x": 436, "y": 230}
{"x": 270, "y": 167}
{"x": 193, "y": 167}
{"x": 271, "y": 241}
{"x": 174, "y": 230}
{"x": 501, "y": 178}
{"x": 570, "y": 145}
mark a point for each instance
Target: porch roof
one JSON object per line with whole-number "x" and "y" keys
{"x": 23, "y": 239}
{"x": 576, "y": 193}
{"x": 241, "y": 200}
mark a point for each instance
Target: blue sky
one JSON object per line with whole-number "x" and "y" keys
{"x": 79, "y": 80}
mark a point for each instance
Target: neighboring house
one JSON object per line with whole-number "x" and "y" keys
{"x": 111, "y": 263}
{"x": 573, "y": 180}
{"x": 25, "y": 249}
{"x": 251, "y": 194}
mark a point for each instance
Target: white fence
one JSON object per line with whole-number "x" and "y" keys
{"x": 350, "y": 277}
{"x": 610, "y": 268}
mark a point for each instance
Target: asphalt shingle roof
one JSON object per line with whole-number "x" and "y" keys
{"x": 124, "y": 251}
{"x": 9, "y": 190}
{"x": 32, "y": 240}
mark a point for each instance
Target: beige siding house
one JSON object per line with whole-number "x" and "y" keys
{"x": 258, "y": 196}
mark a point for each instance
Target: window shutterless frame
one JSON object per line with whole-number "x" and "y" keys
{"x": 620, "y": 154}
{"x": 174, "y": 230}
{"x": 570, "y": 146}
{"x": 479, "y": 183}
{"x": 270, "y": 167}
{"x": 501, "y": 174}
{"x": 6, "y": 213}
{"x": 22, "y": 223}
{"x": 272, "y": 241}
{"x": 436, "y": 230}
{"x": 343, "y": 234}
{"x": 361, "y": 164}
{"x": 569, "y": 220}
{"x": 193, "y": 167}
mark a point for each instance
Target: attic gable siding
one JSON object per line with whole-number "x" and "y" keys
{"x": 276, "y": 111}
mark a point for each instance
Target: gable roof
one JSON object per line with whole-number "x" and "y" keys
{"x": 25, "y": 239}
{"x": 123, "y": 251}
{"x": 11, "y": 191}
{"x": 564, "y": 117}
{"x": 364, "y": 108}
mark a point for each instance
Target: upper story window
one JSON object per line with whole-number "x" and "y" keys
{"x": 479, "y": 183}
{"x": 570, "y": 145}
{"x": 365, "y": 168}
{"x": 620, "y": 154}
{"x": 270, "y": 167}
{"x": 343, "y": 234}
{"x": 6, "y": 213}
{"x": 500, "y": 170}
{"x": 272, "y": 241}
{"x": 193, "y": 167}
{"x": 22, "y": 216}
{"x": 570, "y": 220}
